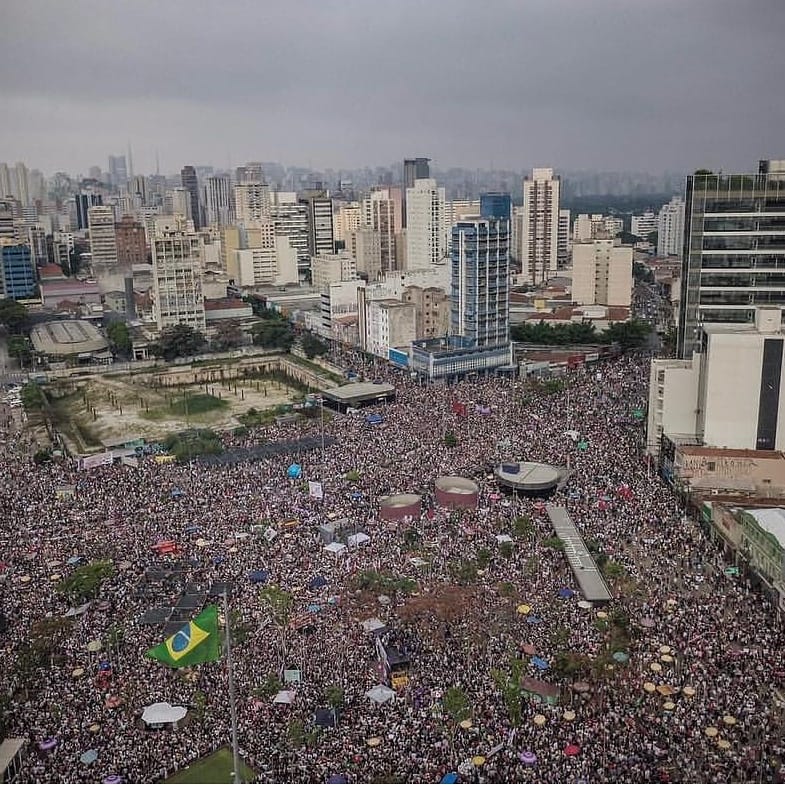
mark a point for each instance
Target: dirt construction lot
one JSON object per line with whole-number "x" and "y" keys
{"x": 93, "y": 411}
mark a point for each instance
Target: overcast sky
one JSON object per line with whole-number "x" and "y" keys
{"x": 640, "y": 85}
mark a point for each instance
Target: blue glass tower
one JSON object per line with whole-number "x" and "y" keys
{"x": 18, "y": 271}
{"x": 496, "y": 205}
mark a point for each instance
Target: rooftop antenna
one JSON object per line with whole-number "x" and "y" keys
{"x": 130, "y": 162}
{"x": 157, "y": 164}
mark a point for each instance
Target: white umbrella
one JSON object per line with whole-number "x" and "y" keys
{"x": 380, "y": 694}
{"x": 161, "y": 713}
{"x": 285, "y": 697}
{"x": 355, "y": 540}
{"x": 335, "y": 547}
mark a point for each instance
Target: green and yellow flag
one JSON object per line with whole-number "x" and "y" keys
{"x": 197, "y": 641}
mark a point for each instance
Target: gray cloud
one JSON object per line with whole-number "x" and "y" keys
{"x": 602, "y": 84}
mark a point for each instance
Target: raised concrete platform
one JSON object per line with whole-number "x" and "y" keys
{"x": 452, "y": 491}
{"x": 400, "y": 506}
{"x": 587, "y": 574}
{"x": 534, "y": 479}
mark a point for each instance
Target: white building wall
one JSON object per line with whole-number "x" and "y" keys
{"x": 540, "y": 231}
{"x": 671, "y": 228}
{"x": 426, "y": 228}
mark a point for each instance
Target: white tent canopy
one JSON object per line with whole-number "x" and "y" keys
{"x": 380, "y": 694}
{"x": 285, "y": 697}
{"x": 162, "y": 713}
{"x": 335, "y": 547}
{"x": 372, "y": 625}
{"x": 355, "y": 540}
{"x": 500, "y": 538}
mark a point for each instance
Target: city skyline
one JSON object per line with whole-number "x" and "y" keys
{"x": 609, "y": 85}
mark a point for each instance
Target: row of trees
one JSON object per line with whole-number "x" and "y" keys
{"x": 629, "y": 335}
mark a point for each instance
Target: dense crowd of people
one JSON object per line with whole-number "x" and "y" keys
{"x": 703, "y": 711}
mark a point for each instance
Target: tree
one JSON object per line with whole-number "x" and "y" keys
{"x": 85, "y": 581}
{"x": 273, "y": 334}
{"x": 13, "y": 315}
{"x": 313, "y": 347}
{"x": 19, "y": 347}
{"x": 642, "y": 273}
{"x": 509, "y": 685}
{"x": 279, "y": 603}
{"x": 32, "y": 397}
{"x": 627, "y": 238}
{"x": 180, "y": 340}
{"x": 450, "y": 439}
{"x": 119, "y": 337}
{"x": 456, "y": 705}
{"x": 505, "y": 549}
{"x": 334, "y": 696}
{"x": 522, "y": 528}
{"x": 228, "y": 335}
{"x": 652, "y": 237}
{"x": 629, "y": 335}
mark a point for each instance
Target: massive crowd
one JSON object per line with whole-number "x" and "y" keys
{"x": 461, "y": 628}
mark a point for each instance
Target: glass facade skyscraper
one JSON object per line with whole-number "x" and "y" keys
{"x": 479, "y": 310}
{"x": 18, "y": 271}
{"x": 734, "y": 249}
{"x": 495, "y": 205}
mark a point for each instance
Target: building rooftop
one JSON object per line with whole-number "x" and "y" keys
{"x": 224, "y": 303}
{"x": 772, "y": 519}
{"x": 67, "y": 337}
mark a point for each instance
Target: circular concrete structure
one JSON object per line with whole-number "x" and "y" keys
{"x": 399, "y": 506}
{"x": 454, "y": 491}
{"x": 532, "y": 479}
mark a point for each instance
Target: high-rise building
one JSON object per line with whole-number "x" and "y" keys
{"x": 495, "y": 204}
{"x": 218, "y": 201}
{"x": 118, "y": 171}
{"x": 131, "y": 244}
{"x": 103, "y": 248}
{"x": 643, "y": 225}
{"x": 178, "y": 202}
{"x": 602, "y": 273}
{"x": 333, "y": 268}
{"x": 382, "y": 212}
{"x": 563, "y": 244}
{"x": 22, "y": 184}
{"x": 251, "y": 201}
{"x": 539, "y": 235}
{"x": 190, "y": 182}
{"x": 426, "y": 229}
{"x": 5, "y": 181}
{"x": 480, "y": 267}
{"x": 670, "y": 228}
{"x": 413, "y": 169}
{"x": 291, "y": 221}
{"x": 35, "y": 181}
{"x": 39, "y": 251}
{"x": 250, "y": 173}
{"x": 319, "y": 209}
{"x": 733, "y": 253}
{"x": 137, "y": 189}
{"x": 365, "y": 245}
{"x": 83, "y": 202}
{"x": 346, "y": 219}
{"x": 19, "y": 280}
{"x": 177, "y": 280}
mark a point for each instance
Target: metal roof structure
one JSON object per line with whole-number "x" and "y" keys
{"x": 584, "y": 568}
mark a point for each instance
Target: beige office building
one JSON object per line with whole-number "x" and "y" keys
{"x": 602, "y": 273}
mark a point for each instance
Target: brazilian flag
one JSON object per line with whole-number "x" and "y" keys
{"x": 198, "y": 641}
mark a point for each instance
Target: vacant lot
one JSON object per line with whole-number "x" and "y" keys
{"x": 95, "y": 410}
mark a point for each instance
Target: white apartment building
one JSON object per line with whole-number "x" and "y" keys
{"x": 218, "y": 201}
{"x": 540, "y": 230}
{"x": 251, "y": 202}
{"x": 602, "y": 273}
{"x": 670, "y": 228}
{"x": 269, "y": 265}
{"x": 339, "y": 300}
{"x": 390, "y": 324}
{"x": 426, "y": 229}
{"x": 177, "y": 280}
{"x": 643, "y": 225}
{"x": 103, "y": 248}
{"x": 728, "y": 394}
